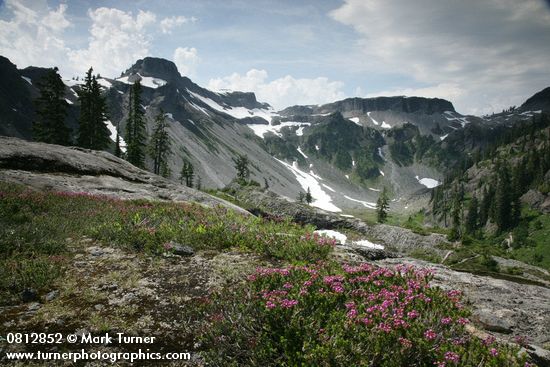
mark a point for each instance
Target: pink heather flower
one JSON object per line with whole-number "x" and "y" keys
{"x": 413, "y": 314}
{"x": 451, "y": 356}
{"x": 366, "y": 321}
{"x": 288, "y": 303}
{"x": 352, "y": 313}
{"x": 384, "y": 327}
{"x": 405, "y": 342}
{"x": 446, "y": 320}
{"x": 350, "y": 305}
{"x": 440, "y": 364}
{"x": 493, "y": 352}
{"x": 308, "y": 283}
{"x": 337, "y": 287}
{"x": 489, "y": 340}
{"x": 287, "y": 286}
{"x": 463, "y": 321}
{"x": 270, "y": 305}
{"x": 430, "y": 334}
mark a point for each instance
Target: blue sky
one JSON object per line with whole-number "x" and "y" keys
{"x": 483, "y": 55}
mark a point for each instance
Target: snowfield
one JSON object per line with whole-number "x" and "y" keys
{"x": 146, "y": 81}
{"x": 321, "y": 199}
{"x": 366, "y": 204}
{"x": 430, "y": 183}
{"x": 262, "y": 129}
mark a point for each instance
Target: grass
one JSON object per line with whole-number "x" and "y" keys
{"x": 37, "y": 228}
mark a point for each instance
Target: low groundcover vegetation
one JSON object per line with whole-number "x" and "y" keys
{"x": 307, "y": 311}
{"x": 327, "y": 315}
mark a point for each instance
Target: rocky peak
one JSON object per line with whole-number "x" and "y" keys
{"x": 154, "y": 67}
{"x": 243, "y": 99}
{"x": 423, "y": 105}
{"x": 539, "y": 101}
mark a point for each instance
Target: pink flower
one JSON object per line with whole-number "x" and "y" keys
{"x": 405, "y": 342}
{"x": 352, "y": 313}
{"x": 413, "y": 314}
{"x": 493, "y": 352}
{"x": 270, "y": 305}
{"x": 430, "y": 334}
{"x": 463, "y": 321}
{"x": 384, "y": 327}
{"x": 446, "y": 320}
{"x": 287, "y": 286}
{"x": 288, "y": 303}
{"x": 451, "y": 356}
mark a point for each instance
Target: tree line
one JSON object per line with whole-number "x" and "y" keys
{"x": 522, "y": 166}
{"x": 93, "y": 132}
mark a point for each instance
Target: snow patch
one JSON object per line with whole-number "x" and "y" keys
{"x": 385, "y": 125}
{"x": 356, "y": 120}
{"x": 321, "y": 199}
{"x": 70, "y": 82}
{"x": 365, "y": 203}
{"x": 262, "y": 129}
{"x": 347, "y": 176}
{"x": 381, "y": 154}
{"x": 191, "y": 121}
{"x": 347, "y": 215}
{"x": 146, "y": 81}
{"x": 328, "y": 187}
{"x": 169, "y": 115}
{"x": 68, "y": 101}
{"x": 28, "y": 80}
{"x": 104, "y": 83}
{"x": 430, "y": 183}
{"x": 373, "y": 189}
{"x": 236, "y": 112}
{"x": 340, "y": 237}
{"x": 302, "y": 153}
{"x": 381, "y": 172}
{"x": 317, "y": 147}
{"x": 113, "y": 131}
{"x": 368, "y": 244}
{"x": 373, "y": 120}
{"x": 443, "y": 137}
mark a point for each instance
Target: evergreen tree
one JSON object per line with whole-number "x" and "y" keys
{"x": 93, "y": 132}
{"x": 136, "y": 135}
{"x": 118, "y": 150}
{"x": 160, "y": 146}
{"x": 187, "y": 173}
{"x": 199, "y": 183}
{"x": 503, "y": 199}
{"x": 51, "y": 108}
{"x": 382, "y": 205}
{"x": 471, "y": 224}
{"x": 266, "y": 184}
{"x": 301, "y": 196}
{"x": 308, "y": 198}
{"x": 241, "y": 165}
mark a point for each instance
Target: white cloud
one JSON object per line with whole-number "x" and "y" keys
{"x": 34, "y": 35}
{"x": 186, "y": 60}
{"x": 484, "y": 53}
{"x": 168, "y": 24}
{"x": 117, "y": 40}
{"x": 282, "y": 92}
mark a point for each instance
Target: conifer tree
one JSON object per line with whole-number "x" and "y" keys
{"x": 382, "y": 205}
{"x": 241, "y": 165}
{"x": 93, "y": 132}
{"x": 160, "y": 147}
{"x": 471, "y": 224}
{"x": 503, "y": 199}
{"x": 187, "y": 173}
{"x": 51, "y": 108}
{"x": 136, "y": 135}
{"x": 308, "y": 198}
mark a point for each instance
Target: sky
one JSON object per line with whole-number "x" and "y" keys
{"x": 482, "y": 55}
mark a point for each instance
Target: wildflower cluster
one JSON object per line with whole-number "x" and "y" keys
{"x": 326, "y": 314}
